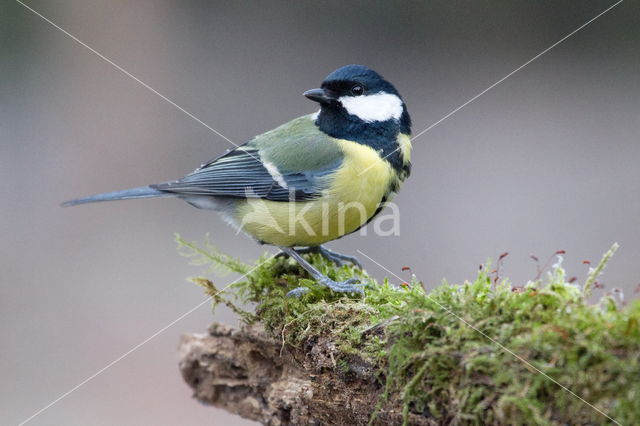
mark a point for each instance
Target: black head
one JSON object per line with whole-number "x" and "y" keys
{"x": 357, "y": 103}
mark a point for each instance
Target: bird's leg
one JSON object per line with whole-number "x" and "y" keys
{"x": 347, "y": 286}
{"x": 303, "y": 250}
{"x": 335, "y": 257}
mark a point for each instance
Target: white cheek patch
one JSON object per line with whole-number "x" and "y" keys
{"x": 378, "y": 107}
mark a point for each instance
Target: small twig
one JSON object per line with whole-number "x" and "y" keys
{"x": 211, "y": 290}
{"x": 381, "y": 324}
{"x": 594, "y": 273}
{"x": 499, "y": 266}
{"x": 547, "y": 263}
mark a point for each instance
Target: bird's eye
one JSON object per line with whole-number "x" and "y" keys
{"x": 357, "y": 90}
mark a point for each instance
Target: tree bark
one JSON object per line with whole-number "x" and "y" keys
{"x": 248, "y": 373}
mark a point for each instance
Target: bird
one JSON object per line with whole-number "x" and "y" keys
{"x": 311, "y": 180}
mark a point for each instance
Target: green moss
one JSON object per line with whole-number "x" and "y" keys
{"x": 470, "y": 353}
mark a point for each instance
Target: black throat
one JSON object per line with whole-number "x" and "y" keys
{"x": 379, "y": 135}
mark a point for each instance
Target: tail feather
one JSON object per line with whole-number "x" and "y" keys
{"x": 141, "y": 192}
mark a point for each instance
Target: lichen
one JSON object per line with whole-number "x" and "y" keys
{"x": 482, "y": 352}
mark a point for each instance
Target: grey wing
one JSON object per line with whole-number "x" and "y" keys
{"x": 242, "y": 174}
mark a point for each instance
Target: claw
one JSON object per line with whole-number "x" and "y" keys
{"x": 348, "y": 286}
{"x": 338, "y": 258}
{"x": 297, "y": 292}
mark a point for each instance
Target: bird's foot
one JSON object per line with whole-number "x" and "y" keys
{"x": 348, "y": 286}
{"x": 335, "y": 257}
{"x": 339, "y": 258}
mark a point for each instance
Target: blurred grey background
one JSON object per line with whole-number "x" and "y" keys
{"x": 547, "y": 160}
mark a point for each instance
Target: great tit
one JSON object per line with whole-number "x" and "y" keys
{"x": 311, "y": 180}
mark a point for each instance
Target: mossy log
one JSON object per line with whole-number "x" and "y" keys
{"x": 483, "y": 352}
{"x": 249, "y": 373}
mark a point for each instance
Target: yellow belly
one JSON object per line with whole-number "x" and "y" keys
{"x": 352, "y": 197}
